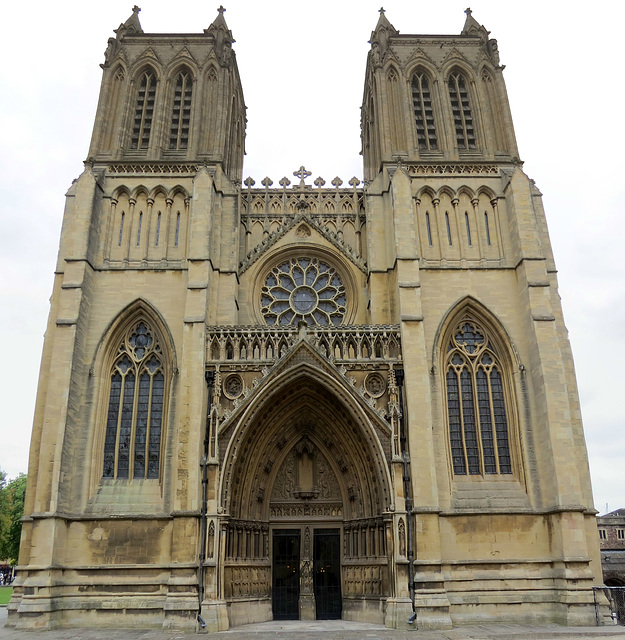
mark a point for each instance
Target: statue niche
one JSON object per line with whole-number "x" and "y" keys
{"x": 305, "y": 475}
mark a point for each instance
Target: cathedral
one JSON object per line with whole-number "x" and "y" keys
{"x": 311, "y": 399}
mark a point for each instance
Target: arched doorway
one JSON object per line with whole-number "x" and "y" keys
{"x": 307, "y": 498}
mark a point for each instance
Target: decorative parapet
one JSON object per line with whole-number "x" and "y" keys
{"x": 154, "y": 168}
{"x": 452, "y": 169}
{"x": 263, "y": 346}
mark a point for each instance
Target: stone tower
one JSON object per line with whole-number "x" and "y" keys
{"x": 310, "y": 400}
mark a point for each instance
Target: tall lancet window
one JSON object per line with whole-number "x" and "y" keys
{"x": 181, "y": 112}
{"x": 461, "y": 109}
{"x": 134, "y": 421}
{"x": 476, "y": 403}
{"x": 144, "y": 110}
{"x": 423, "y": 113}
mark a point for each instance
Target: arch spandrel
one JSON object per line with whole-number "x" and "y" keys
{"x": 306, "y": 398}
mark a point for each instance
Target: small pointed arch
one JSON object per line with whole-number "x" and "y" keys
{"x": 352, "y": 349}
{"x": 255, "y": 349}
{"x": 324, "y": 347}
{"x": 182, "y": 64}
{"x": 215, "y": 349}
{"x": 421, "y": 82}
{"x": 292, "y": 205}
{"x": 140, "y": 191}
{"x": 119, "y": 73}
{"x": 477, "y": 361}
{"x": 365, "y": 348}
{"x": 182, "y": 82}
{"x": 465, "y": 190}
{"x": 117, "y": 89}
{"x": 146, "y": 80}
{"x": 211, "y": 73}
{"x": 329, "y": 206}
{"x": 229, "y": 349}
{"x": 275, "y": 206}
{"x": 158, "y": 191}
{"x": 243, "y": 352}
{"x": 392, "y": 73}
{"x": 178, "y": 190}
{"x": 426, "y": 192}
{"x": 258, "y": 206}
{"x": 458, "y": 85}
{"x": 446, "y": 191}
{"x": 485, "y": 191}
{"x": 347, "y": 205}
{"x": 121, "y": 191}
{"x": 137, "y": 360}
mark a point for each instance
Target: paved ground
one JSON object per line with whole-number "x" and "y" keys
{"x": 326, "y": 630}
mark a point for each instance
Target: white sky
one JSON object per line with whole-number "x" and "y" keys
{"x": 302, "y": 68}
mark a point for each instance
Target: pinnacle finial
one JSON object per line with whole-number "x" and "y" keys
{"x": 221, "y": 9}
{"x": 381, "y": 11}
{"x": 468, "y": 12}
{"x": 136, "y": 9}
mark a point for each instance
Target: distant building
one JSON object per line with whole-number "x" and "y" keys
{"x": 612, "y": 543}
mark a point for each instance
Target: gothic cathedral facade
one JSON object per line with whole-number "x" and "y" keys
{"x": 310, "y": 400}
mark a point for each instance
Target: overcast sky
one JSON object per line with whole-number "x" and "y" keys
{"x": 302, "y": 68}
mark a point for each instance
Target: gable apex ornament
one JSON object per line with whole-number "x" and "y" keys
{"x": 132, "y": 25}
{"x": 223, "y": 38}
{"x": 473, "y": 28}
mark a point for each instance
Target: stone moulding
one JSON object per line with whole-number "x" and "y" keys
{"x": 454, "y": 169}
{"x": 357, "y": 343}
{"x": 154, "y": 167}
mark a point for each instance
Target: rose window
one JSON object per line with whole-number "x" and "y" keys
{"x": 303, "y": 289}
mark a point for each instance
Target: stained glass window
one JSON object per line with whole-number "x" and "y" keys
{"x": 132, "y": 442}
{"x": 476, "y": 406}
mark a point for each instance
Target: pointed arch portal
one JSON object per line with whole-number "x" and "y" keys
{"x": 307, "y": 492}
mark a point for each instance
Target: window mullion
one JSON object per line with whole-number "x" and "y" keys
{"x": 476, "y": 417}
{"x": 119, "y": 422}
{"x": 147, "y": 428}
{"x": 492, "y": 417}
{"x": 461, "y": 410}
{"x": 133, "y": 425}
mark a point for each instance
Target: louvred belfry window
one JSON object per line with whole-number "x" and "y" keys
{"x": 461, "y": 109}
{"x": 181, "y": 113}
{"x": 476, "y": 404}
{"x": 423, "y": 113}
{"x": 134, "y": 421}
{"x": 144, "y": 110}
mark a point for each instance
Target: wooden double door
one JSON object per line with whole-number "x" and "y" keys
{"x": 300, "y": 572}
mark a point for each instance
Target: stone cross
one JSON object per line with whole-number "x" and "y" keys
{"x": 301, "y": 173}
{"x": 221, "y": 9}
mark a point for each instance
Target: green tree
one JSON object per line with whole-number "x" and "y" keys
{"x": 11, "y": 511}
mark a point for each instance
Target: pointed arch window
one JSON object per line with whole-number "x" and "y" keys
{"x": 423, "y": 112}
{"x": 181, "y": 111}
{"x": 476, "y": 403}
{"x": 134, "y": 420}
{"x": 461, "y": 109}
{"x": 144, "y": 110}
